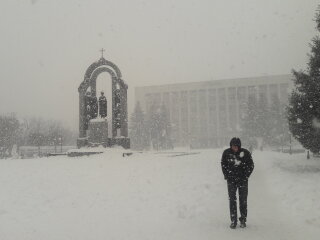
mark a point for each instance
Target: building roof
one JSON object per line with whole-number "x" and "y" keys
{"x": 261, "y": 80}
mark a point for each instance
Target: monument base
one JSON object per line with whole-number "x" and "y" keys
{"x": 98, "y": 132}
{"x": 82, "y": 142}
{"x": 98, "y": 136}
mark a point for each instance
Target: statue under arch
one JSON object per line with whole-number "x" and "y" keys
{"x": 93, "y": 119}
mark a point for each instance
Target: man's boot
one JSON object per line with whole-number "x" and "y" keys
{"x": 233, "y": 225}
{"x": 242, "y": 222}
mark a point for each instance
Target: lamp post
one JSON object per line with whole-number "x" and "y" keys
{"x": 55, "y": 145}
{"x": 290, "y": 150}
{"x": 60, "y": 139}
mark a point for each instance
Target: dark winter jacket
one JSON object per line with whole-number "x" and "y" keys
{"x": 237, "y": 166}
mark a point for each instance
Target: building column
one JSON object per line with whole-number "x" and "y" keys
{"x": 179, "y": 115}
{"x": 237, "y": 111}
{"x": 188, "y": 112}
{"x": 207, "y": 116}
{"x": 218, "y": 116}
{"x": 227, "y": 110}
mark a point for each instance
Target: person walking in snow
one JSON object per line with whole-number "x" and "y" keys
{"x": 237, "y": 166}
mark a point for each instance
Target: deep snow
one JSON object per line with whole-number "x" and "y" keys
{"x": 155, "y": 196}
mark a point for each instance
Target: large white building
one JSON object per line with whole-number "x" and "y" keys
{"x": 208, "y": 114}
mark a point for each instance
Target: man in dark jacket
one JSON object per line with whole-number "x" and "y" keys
{"x": 237, "y": 166}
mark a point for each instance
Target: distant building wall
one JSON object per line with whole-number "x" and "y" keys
{"x": 208, "y": 114}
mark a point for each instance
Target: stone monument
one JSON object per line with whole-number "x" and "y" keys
{"x": 103, "y": 106}
{"x": 93, "y": 119}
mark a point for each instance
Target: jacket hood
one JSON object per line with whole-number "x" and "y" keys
{"x": 235, "y": 142}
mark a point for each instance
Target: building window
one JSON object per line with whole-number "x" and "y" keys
{"x": 222, "y": 109}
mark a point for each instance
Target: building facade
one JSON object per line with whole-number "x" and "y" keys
{"x": 208, "y": 114}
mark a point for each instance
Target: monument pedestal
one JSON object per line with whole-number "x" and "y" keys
{"x": 98, "y": 132}
{"x": 82, "y": 142}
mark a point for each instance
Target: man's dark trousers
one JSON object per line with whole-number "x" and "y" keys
{"x": 242, "y": 186}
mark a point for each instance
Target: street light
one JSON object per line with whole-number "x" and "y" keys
{"x": 55, "y": 145}
{"x": 60, "y": 140}
{"x": 290, "y": 150}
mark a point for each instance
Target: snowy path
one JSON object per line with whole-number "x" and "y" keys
{"x": 145, "y": 196}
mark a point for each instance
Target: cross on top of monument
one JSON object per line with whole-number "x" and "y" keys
{"x": 102, "y": 50}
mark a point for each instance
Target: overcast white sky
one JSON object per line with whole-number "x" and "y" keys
{"x": 47, "y": 45}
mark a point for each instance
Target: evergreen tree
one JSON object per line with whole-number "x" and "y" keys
{"x": 9, "y": 133}
{"x": 165, "y": 128}
{"x": 154, "y": 128}
{"x": 304, "y": 103}
{"x": 138, "y": 129}
{"x": 159, "y": 128}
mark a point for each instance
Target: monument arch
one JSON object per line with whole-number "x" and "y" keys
{"x": 119, "y": 106}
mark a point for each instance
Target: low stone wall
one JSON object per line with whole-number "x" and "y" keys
{"x": 124, "y": 142}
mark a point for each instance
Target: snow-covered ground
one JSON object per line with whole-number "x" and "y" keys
{"x": 155, "y": 196}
